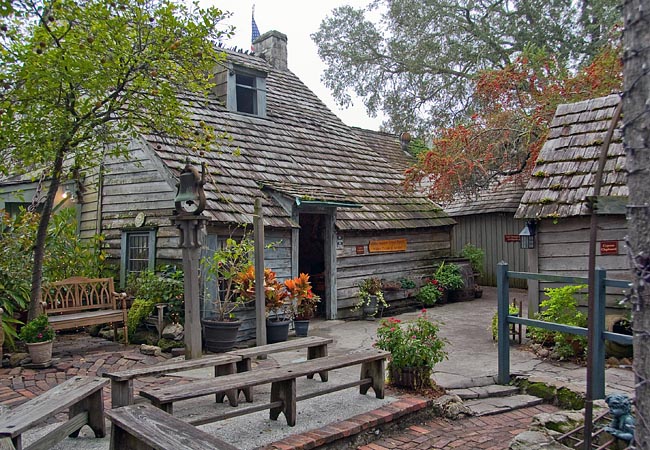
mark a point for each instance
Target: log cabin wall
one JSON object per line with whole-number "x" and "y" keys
{"x": 354, "y": 263}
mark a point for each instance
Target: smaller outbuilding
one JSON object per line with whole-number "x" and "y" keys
{"x": 557, "y": 203}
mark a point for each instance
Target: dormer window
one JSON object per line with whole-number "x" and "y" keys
{"x": 246, "y": 91}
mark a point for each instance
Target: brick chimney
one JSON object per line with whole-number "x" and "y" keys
{"x": 272, "y": 46}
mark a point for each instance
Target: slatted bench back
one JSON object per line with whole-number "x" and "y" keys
{"x": 79, "y": 294}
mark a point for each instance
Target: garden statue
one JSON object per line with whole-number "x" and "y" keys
{"x": 622, "y": 426}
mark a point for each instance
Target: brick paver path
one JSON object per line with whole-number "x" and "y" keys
{"x": 474, "y": 433}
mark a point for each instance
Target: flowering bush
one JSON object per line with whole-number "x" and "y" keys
{"x": 303, "y": 298}
{"x": 414, "y": 345}
{"x": 37, "y": 330}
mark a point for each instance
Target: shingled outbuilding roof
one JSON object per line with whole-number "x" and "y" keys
{"x": 501, "y": 197}
{"x": 565, "y": 171}
{"x": 300, "y": 150}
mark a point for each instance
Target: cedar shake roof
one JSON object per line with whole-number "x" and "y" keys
{"x": 565, "y": 170}
{"x": 502, "y": 197}
{"x": 302, "y": 150}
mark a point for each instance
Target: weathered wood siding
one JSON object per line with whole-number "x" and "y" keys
{"x": 89, "y": 225}
{"x": 488, "y": 231}
{"x": 423, "y": 248}
{"x": 139, "y": 184}
{"x": 277, "y": 258}
{"x": 563, "y": 249}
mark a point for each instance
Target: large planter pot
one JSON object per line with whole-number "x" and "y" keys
{"x": 370, "y": 309}
{"x": 40, "y": 352}
{"x": 277, "y": 330}
{"x": 410, "y": 377}
{"x": 302, "y": 327}
{"x": 220, "y": 336}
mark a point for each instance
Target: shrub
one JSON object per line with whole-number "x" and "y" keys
{"x": 430, "y": 293}
{"x": 449, "y": 276}
{"x": 476, "y": 256}
{"x": 413, "y": 345}
{"x": 513, "y": 310}
{"x": 561, "y": 306}
{"x": 37, "y": 330}
{"x": 150, "y": 288}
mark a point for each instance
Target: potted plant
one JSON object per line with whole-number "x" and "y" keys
{"x": 225, "y": 267}
{"x": 303, "y": 300}
{"x": 371, "y": 297}
{"x": 430, "y": 293}
{"x": 476, "y": 256}
{"x": 449, "y": 278}
{"x": 38, "y": 335}
{"x": 278, "y": 310}
{"x": 415, "y": 348}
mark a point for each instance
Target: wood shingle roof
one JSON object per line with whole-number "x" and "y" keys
{"x": 299, "y": 148}
{"x": 565, "y": 170}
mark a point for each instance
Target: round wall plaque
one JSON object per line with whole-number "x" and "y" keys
{"x": 139, "y": 219}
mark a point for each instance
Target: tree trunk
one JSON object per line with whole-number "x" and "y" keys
{"x": 35, "y": 307}
{"x": 636, "y": 117}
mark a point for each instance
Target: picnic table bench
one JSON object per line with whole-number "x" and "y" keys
{"x": 79, "y": 302}
{"x": 140, "y": 427}
{"x": 83, "y": 397}
{"x": 224, "y": 364}
{"x": 283, "y": 384}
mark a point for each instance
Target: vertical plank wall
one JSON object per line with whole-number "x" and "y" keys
{"x": 487, "y": 231}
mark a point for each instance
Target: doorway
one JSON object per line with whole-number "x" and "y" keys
{"x": 311, "y": 255}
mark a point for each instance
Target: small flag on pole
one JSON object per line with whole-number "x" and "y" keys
{"x": 255, "y": 32}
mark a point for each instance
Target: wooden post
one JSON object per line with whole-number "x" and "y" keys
{"x": 503, "y": 345}
{"x": 331, "y": 305}
{"x": 598, "y": 344}
{"x": 260, "y": 309}
{"x": 191, "y": 233}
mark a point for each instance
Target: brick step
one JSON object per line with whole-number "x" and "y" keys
{"x": 496, "y": 405}
{"x": 492, "y": 390}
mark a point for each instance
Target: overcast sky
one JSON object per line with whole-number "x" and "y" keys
{"x": 298, "y": 19}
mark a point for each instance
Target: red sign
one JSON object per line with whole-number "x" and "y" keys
{"x": 361, "y": 250}
{"x": 511, "y": 237}
{"x": 609, "y": 247}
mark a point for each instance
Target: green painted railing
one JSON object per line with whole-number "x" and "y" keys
{"x": 600, "y": 335}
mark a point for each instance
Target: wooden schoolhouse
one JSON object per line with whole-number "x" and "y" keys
{"x": 333, "y": 202}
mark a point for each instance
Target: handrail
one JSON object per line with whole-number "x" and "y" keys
{"x": 600, "y": 334}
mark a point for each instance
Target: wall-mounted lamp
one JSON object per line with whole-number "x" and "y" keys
{"x": 67, "y": 195}
{"x": 527, "y": 235}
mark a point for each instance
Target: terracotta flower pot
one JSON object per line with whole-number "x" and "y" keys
{"x": 40, "y": 352}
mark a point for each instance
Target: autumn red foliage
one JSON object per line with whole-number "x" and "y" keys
{"x": 513, "y": 109}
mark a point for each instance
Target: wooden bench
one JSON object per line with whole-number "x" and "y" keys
{"x": 316, "y": 348}
{"x": 283, "y": 384}
{"x": 140, "y": 427}
{"x": 80, "y": 302}
{"x": 224, "y": 364}
{"x": 83, "y": 397}
{"x": 122, "y": 381}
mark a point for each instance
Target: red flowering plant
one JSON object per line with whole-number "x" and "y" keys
{"x": 302, "y": 297}
{"x": 414, "y": 346}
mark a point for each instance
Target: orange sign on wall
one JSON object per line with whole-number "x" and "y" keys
{"x": 388, "y": 245}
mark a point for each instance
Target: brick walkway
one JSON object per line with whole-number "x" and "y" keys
{"x": 77, "y": 355}
{"x": 480, "y": 433}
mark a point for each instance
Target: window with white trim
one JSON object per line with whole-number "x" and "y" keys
{"x": 138, "y": 253}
